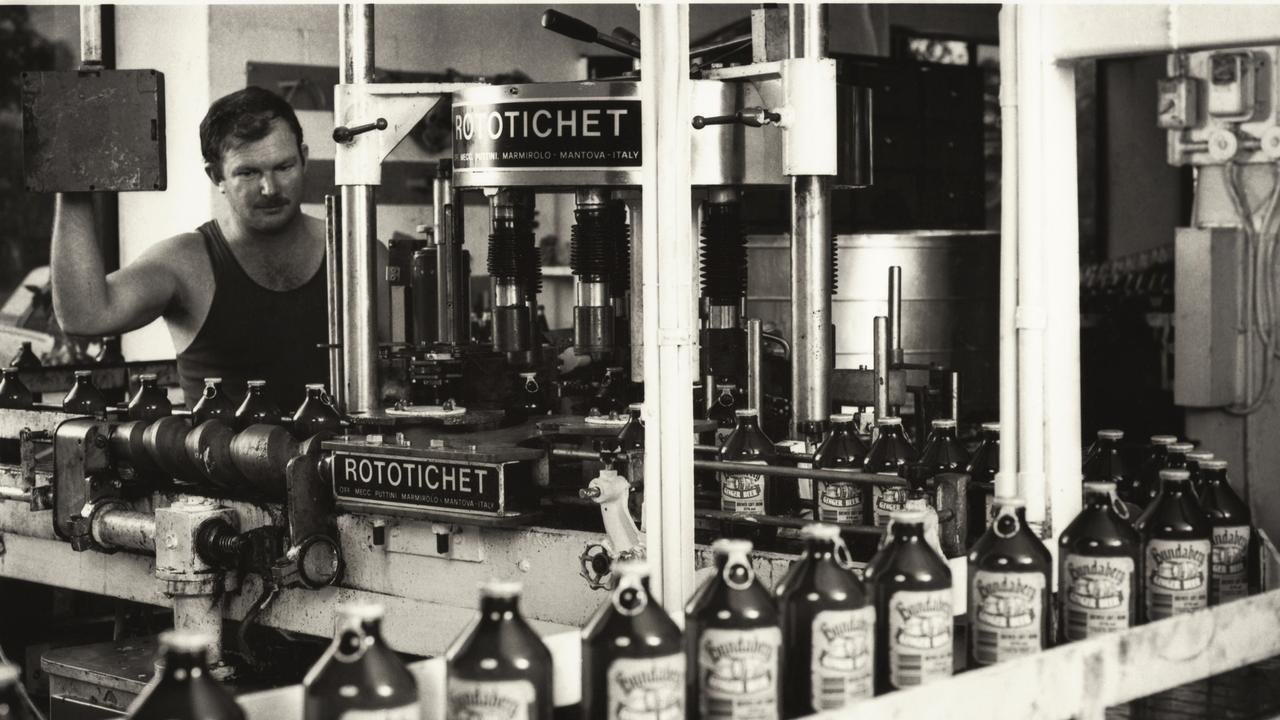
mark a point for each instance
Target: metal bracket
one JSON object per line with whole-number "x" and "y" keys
{"x": 809, "y": 119}
{"x": 359, "y": 162}
{"x": 423, "y": 539}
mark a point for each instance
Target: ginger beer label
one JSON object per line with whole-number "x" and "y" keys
{"x": 840, "y": 667}
{"x": 742, "y": 492}
{"x": 412, "y": 711}
{"x": 1096, "y": 598}
{"x": 722, "y": 434}
{"x": 919, "y": 637}
{"x": 839, "y": 502}
{"x": 1005, "y": 614}
{"x": 738, "y": 674}
{"x": 646, "y": 688}
{"x": 490, "y": 700}
{"x": 1229, "y": 564}
{"x": 887, "y": 500}
{"x": 1176, "y": 576}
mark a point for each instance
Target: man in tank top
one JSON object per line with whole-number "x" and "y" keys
{"x": 243, "y": 295}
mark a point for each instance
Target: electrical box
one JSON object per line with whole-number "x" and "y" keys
{"x": 100, "y": 130}
{"x": 1217, "y": 107}
{"x": 1207, "y": 342}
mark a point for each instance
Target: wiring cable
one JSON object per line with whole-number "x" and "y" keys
{"x": 1259, "y": 276}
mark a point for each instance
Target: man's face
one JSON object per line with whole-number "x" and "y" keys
{"x": 262, "y": 179}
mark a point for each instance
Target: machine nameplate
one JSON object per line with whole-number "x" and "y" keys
{"x": 547, "y": 133}
{"x": 465, "y": 486}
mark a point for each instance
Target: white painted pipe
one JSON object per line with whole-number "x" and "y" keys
{"x": 90, "y": 36}
{"x": 1006, "y": 480}
{"x": 670, "y": 300}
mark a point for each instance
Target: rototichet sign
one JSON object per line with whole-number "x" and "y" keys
{"x": 593, "y": 133}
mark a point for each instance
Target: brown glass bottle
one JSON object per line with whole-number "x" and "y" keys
{"x": 751, "y": 493}
{"x": 1194, "y": 458}
{"x": 182, "y": 688}
{"x": 151, "y": 402}
{"x": 611, "y": 397}
{"x": 839, "y": 502}
{"x": 733, "y": 641}
{"x": 214, "y": 403}
{"x": 26, "y": 358}
{"x": 359, "y": 674}
{"x": 1010, "y": 591}
{"x": 828, "y": 628}
{"x": 315, "y": 414}
{"x": 982, "y": 469}
{"x": 1104, "y": 462}
{"x": 14, "y": 394}
{"x": 84, "y": 398}
{"x": 1176, "y": 546}
{"x": 633, "y": 663}
{"x": 500, "y": 663}
{"x": 631, "y": 436}
{"x": 943, "y": 453}
{"x": 531, "y": 401}
{"x": 890, "y": 451}
{"x": 1098, "y": 562}
{"x": 911, "y": 587}
{"x": 722, "y": 414}
{"x": 1146, "y": 482}
{"x": 257, "y": 408}
{"x": 1234, "y": 548}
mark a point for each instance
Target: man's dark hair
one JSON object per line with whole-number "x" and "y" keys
{"x": 245, "y": 116}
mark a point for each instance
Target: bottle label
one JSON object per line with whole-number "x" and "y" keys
{"x": 738, "y": 674}
{"x": 1096, "y": 599}
{"x": 887, "y": 500}
{"x": 490, "y": 700}
{"x": 742, "y": 492}
{"x": 919, "y": 637}
{"x": 839, "y": 502}
{"x": 840, "y": 668}
{"x": 646, "y": 688}
{"x": 722, "y": 434}
{"x": 1177, "y": 577}
{"x": 1229, "y": 564}
{"x": 1005, "y": 610}
{"x": 412, "y": 711}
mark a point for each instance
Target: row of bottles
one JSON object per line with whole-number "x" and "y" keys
{"x": 891, "y": 454}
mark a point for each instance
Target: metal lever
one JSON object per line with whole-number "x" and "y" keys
{"x": 572, "y": 27}
{"x": 344, "y": 134}
{"x": 751, "y": 117}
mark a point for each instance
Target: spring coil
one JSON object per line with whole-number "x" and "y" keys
{"x": 723, "y": 254}
{"x": 513, "y": 253}
{"x": 591, "y": 251}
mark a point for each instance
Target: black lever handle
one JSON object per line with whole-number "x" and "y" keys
{"x": 751, "y": 117}
{"x": 572, "y": 27}
{"x": 344, "y": 134}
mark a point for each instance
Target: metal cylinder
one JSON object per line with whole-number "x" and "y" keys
{"x": 895, "y": 314}
{"x": 955, "y": 395}
{"x": 125, "y": 530}
{"x": 451, "y": 299}
{"x": 812, "y": 357}
{"x": 881, "y": 366}
{"x": 201, "y": 614}
{"x": 91, "y": 36}
{"x": 441, "y": 197}
{"x": 424, "y": 280}
{"x": 815, "y": 30}
{"x": 14, "y": 494}
{"x": 333, "y": 294}
{"x": 755, "y": 369}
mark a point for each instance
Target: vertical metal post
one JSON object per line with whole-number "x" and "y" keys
{"x": 955, "y": 395}
{"x": 880, "y": 366}
{"x": 359, "y": 233}
{"x": 1006, "y": 480}
{"x": 670, "y": 330}
{"x": 895, "y": 314}
{"x": 755, "y": 361}
{"x": 333, "y": 294}
{"x": 811, "y": 268}
{"x": 90, "y": 36}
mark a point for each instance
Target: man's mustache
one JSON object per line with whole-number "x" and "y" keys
{"x": 271, "y": 203}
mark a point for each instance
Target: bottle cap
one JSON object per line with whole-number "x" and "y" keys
{"x": 841, "y": 418}
{"x": 1213, "y": 464}
{"x": 84, "y": 373}
{"x": 889, "y": 421}
{"x": 747, "y": 412}
{"x": 1164, "y": 439}
{"x": 636, "y": 407}
{"x": 820, "y": 531}
{"x": 315, "y": 386}
{"x": 731, "y": 546}
{"x": 8, "y": 675}
{"x": 1010, "y": 502}
{"x": 256, "y": 383}
{"x": 361, "y": 611}
{"x": 184, "y": 641}
{"x": 914, "y": 517}
{"x": 500, "y": 588}
{"x": 944, "y": 423}
{"x": 1200, "y": 456}
{"x": 1099, "y": 486}
{"x": 614, "y": 369}
{"x": 1110, "y": 434}
{"x": 144, "y": 377}
{"x": 1181, "y": 447}
{"x": 1175, "y": 474}
{"x": 724, "y": 386}
{"x": 528, "y": 375}
{"x": 638, "y": 568}
{"x": 212, "y": 381}
{"x": 9, "y": 371}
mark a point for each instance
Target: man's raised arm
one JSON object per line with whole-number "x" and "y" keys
{"x": 86, "y": 300}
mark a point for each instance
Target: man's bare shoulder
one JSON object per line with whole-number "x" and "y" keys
{"x": 180, "y": 249}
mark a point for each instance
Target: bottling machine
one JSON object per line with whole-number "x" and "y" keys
{"x": 461, "y": 459}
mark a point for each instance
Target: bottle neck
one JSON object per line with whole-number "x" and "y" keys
{"x": 944, "y": 434}
{"x": 1210, "y": 478}
{"x": 891, "y": 431}
{"x": 907, "y": 532}
{"x": 499, "y": 608}
{"x": 750, "y": 422}
{"x": 1174, "y": 487}
{"x": 180, "y": 665}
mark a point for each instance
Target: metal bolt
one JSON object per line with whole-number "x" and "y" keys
{"x": 525, "y": 566}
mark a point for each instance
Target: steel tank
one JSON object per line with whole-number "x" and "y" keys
{"x": 950, "y": 301}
